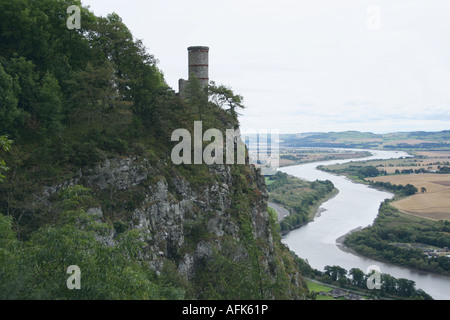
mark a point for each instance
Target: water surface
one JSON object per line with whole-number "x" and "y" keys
{"x": 355, "y": 206}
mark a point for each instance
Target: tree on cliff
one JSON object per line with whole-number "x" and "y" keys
{"x": 196, "y": 97}
{"x": 223, "y": 96}
{"x": 37, "y": 268}
{"x": 5, "y": 145}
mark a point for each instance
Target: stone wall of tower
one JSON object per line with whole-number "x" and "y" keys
{"x": 199, "y": 63}
{"x": 198, "y": 58}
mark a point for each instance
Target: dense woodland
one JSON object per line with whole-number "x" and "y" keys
{"x": 92, "y": 90}
{"x": 71, "y": 98}
{"x": 356, "y": 279}
{"x": 391, "y": 228}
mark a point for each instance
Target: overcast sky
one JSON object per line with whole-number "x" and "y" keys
{"x": 309, "y": 65}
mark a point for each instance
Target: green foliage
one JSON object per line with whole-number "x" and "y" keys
{"x": 48, "y": 70}
{"x": 389, "y": 286}
{"x": 300, "y": 196}
{"x": 49, "y": 102}
{"x": 79, "y": 95}
{"x": 233, "y": 276}
{"x": 36, "y": 269}
{"x": 359, "y": 172}
{"x": 31, "y": 96}
{"x": 278, "y": 180}
{"x": 74, "y": 197}
{"x": 9, "y": 113}
{"x": 223, "y": 96}
{"x": 444, "y": 170}
{"x": 196, "y": 96}
{"x": 401, "y": 190}
{"x": 5, "y": 145}
{"x": 381, "y": 240}
{"x": 275, "y": 226}
{"x": 335, "y": 272}
{"x": 368, "y": 171}
{"x": 236, "y": 269}
{"x": 93, "y": 94}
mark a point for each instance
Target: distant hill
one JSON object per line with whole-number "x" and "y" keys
{"x": 419, "y": 140}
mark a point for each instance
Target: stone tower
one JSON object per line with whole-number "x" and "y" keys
{"x": 198, "y": 66}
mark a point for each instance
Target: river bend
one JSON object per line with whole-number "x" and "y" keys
{"x": 355, "y": 206}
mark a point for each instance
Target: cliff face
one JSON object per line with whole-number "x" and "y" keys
{"x": 216, "y": 232}
{"x": 103, "y": 118}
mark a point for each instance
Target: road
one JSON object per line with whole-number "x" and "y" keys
{"x": 282, "y": 212}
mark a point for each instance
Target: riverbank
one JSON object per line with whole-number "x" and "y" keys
{"x": 340, "y": 241}
{"x": 297, "y": 201}
{"x": 420, "y": 180}
{"x": 381, "y": 241}
{"x": 316, "y": 211}
{"x": 377, "y": 240}
{"x": 341, "y": 245}
{"x": 355, "y": 206}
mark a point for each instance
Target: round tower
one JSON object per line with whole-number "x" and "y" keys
{"x": 199, "y": 63}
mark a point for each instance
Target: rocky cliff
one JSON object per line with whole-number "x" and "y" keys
{"x": 215, "y": 232}
{"x": 90, "y": 108}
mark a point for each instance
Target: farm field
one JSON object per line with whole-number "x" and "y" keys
{"x": 433, "y": 204}
{"x": 427, "y": 160}
{"x": 293, "y": 156}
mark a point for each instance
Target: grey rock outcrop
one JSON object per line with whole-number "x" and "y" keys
{"x": 180, "y": 222}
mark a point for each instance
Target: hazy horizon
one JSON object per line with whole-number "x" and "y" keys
{"x": 380, "y": 133}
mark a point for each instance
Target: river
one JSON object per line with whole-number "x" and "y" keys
{"x": 355, "y": 206}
